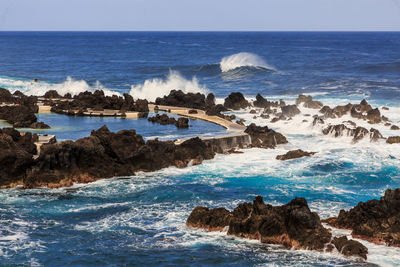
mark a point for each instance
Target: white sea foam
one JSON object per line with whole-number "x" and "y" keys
{"x": 243, "y": 59}
{"x": 70, "y": 85}
{"x": 153, "y": 88}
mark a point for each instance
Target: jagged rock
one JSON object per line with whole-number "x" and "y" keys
{"x": 357, "y": 133}
{"x": 51, "y": 94}
{"x": 318, "y": 120}
{"x": 308, "y": 102}
{"x": 141, "y": 105}
{"x": 294, "y": 154}
{"x": 261, "y": 102}
{"x": 350, "y": 248}
{"x": 394, "y": 127}
{"x": 290, "y": 111}
{"x": 374, "y": 116}
{"x": 210, "y": 100}
{"x": 6, "y": 96}
{"x": 264, "y": 137}
{"x": 105, "y": 154}
{"x": 236, "y": 101}
{"x": 182, "y": 123}
{"x": 162, "y": 119}
{"x": 393, "y": 140}
{"x": 16, "y": 153}
{"x": 216, "y": 110}
{"x": 375, "y": 220}
{"x": 18, "y": 116}
{"x": 292, "y": 225}
{"x": 212, "y": 220}
{"x": 180, "y": 99}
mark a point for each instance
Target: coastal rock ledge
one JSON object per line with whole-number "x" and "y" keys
{"x": 292, "y": 225}
{"x": 377, "y": 221}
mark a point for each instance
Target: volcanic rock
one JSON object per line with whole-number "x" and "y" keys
{"x": 375, "y": 220}
{"x": 264, "y": 137}
{"x": 236, "y": 101}
{"x": 290, "y": 111}
{"x": 308, "y": 102}
{"x": 294, "y": 154}
{"x": 393, "y": 140}
{"x": 180, "y": 99}
{"x": 292, "y": 225}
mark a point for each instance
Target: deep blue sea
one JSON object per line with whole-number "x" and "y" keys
{"x": 140, "y": 220}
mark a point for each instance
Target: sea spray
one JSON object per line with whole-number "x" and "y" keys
{"x": 243, "y": 59}
{"x": 153, "y": 88}
{"x": 70, "y": 85}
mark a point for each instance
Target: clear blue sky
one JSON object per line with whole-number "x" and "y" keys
{"x": 258, "y": 15}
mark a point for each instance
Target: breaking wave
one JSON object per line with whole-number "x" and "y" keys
{"x": 243, "y": 59}
{"x": 70, "y": 85}
{"x": 153, "y": 88}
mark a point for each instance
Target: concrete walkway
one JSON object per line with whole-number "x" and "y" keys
{"x": 235, "y": 137}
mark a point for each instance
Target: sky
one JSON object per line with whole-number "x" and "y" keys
{"x": 200, "y": 15}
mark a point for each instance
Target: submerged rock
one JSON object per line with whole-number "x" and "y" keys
{"x": 264, "y": 137}
{"x": 295, "y": 154}
{"x": 236, "y": 101}
{"x": 292, "y": 225}
{"x": 375, "y": 220}
{"x": 165, "y": 120}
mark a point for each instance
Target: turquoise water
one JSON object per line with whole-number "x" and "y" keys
{"x": 140, "y": 220}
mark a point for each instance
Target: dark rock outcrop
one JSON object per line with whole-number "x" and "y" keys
{"x": 180, "y": 99}
{"x": 308, "y": 102}
{"x": 98, "y": 101}
{"x": 21, "y": 117}
{"x": 395, "y": 127}
{"x": 165, "y": 120}
{"x": 393, "y": 140}
{"x": 357, "y": 133}
{"x": 295, "y": 154}
{"x": 16, "y": 153}
{"x": 290, "y": 111}
{"x": 292, "y": 225}
{"x": 103, "y": 154}
{"x": 350, "y": 248}
{"x": 52, "y": 94}
{"x": 236, "y": 101}
{"x": 375, "y": 220}
{"x": 261, "y": 102}
{"x": 264, "y": 137}
{"x": 6, "y": 96}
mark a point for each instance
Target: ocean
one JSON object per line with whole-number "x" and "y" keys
{"x": 140, "y": 220}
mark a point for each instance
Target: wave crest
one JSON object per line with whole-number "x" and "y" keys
{"x": 153, "y": 88}
{"x": 243, "y": 59}
{"x": 70, "y": 85}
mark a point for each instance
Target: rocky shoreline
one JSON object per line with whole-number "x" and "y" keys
{"x": 292, "y": 225}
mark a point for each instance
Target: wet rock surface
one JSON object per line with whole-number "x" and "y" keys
{"x": 357, "y": 133}
{"x": 375, "y": 220}
{"x": 21, "y": 117}
{"x": 393, "y": 140}
{"x": 308, "y": 102}
{"x": 103, "y": 154}
{"x": 264, "y": 137}
{"x": 177, "y": 98}
{"x": 292, "y": 225}
{"x": 295, "y": 154}
{"x": 236, "y": 101}
{"x": 164, "y": 119}
{"x": 97, "y": 101}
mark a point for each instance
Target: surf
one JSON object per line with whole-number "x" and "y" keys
{"x": 244, "y": 59}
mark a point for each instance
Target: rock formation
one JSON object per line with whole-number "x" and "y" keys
{"x": 393, "y": 140}
{"x": 264, "y": 137}
{"x": 180, "y": 99}
{"x": 295, "y": 154}
{"x": 375, "y": 220}
{"x": 165, "y": 120}
{"x": 236, "y": 101}
{"x": 292, "y": 225}
{"x": 308, "y": 102}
